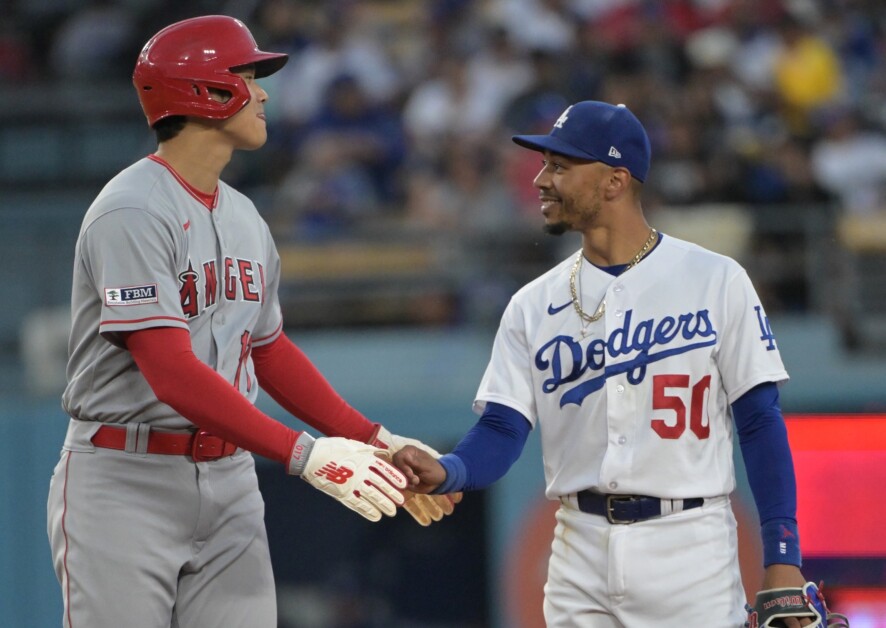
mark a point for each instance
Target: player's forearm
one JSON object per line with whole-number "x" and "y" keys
{"x": 292, "y": 380}
{"x": 487, "y": 451}
{"x": 768, "y": 462}
{"x": 194, "y": 390}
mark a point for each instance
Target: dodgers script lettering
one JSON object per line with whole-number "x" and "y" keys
{"x": 567, "y": 360}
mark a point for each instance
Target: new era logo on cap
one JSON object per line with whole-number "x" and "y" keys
{"x": 597, "y": 131}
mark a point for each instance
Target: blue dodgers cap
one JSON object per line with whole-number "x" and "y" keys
{"x": 597, "y": 131}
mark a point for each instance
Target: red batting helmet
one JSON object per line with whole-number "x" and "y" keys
{"x": 178, "y": 65}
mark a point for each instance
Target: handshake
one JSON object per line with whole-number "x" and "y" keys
{"x": 362, "y": 477}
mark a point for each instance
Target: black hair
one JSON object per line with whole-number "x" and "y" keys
{"x": 168, "y": 127}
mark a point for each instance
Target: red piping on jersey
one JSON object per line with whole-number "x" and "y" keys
{"x": 65, "y": 534}
{"x": 209, "y": 201}
{"x": 142, "y": 320}
{"x": 271, "y": 335}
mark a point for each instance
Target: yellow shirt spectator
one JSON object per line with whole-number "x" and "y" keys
{"x": 807, "y": 73}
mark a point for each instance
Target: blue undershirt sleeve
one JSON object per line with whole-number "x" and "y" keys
{"x": 487, "y": 451}
{"x": 762, "y": 436}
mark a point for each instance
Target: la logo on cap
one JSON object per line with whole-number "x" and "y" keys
{"x": 563, "y": 118}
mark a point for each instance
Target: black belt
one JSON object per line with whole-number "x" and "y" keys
{"x": 627, "y": 508}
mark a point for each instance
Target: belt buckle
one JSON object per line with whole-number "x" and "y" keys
{"x": 610, "y": 499}
{"x": 197, "y": 445}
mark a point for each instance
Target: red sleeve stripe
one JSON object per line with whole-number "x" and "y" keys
{"x": 144, "y": 320}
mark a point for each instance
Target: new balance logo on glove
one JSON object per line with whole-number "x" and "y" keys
{"x": 334, "y": 473}
{"x": 364, "y": 482}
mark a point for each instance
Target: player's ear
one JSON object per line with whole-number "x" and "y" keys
{"x": 618, "y": 182}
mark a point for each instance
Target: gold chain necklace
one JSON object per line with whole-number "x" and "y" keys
{"x": 601, "y": 309}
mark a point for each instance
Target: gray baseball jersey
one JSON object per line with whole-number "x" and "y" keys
{"x": 155, "y": 252}
{"x": 152, "y": 253}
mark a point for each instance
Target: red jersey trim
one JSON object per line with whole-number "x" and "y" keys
{"x": 210, "y": 201}
{"x": 142, "y": 320}
{"x": 271, "y": 335}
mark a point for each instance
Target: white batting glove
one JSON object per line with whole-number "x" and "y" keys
{"x": 424, "y": 508}
{"x": 351, "y": 472}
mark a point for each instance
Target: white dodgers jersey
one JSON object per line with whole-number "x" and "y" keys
{"x": 638, "y": 401}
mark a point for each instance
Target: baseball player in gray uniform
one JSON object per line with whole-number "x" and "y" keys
{"x": 634, "y": 356}
{"x": 154, "y": 514}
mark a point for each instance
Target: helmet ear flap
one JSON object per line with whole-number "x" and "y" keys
{"x": 169, "y": 97}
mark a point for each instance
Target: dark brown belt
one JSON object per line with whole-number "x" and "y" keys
{"x": 200, "y": 445}
{"x": 627, "y": 508}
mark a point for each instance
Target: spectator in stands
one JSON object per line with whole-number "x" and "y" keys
{"x": 807, "y": 72}
{"x": 464, "y": 196}
{"x": 680, "y": 179}
{"x": 363, "y": 134}
{"x": 346, "y": 166}
{"x": 449, "y": 103}
{"x": 537, "y": 24}
{"x": 752, "y": 63}
{"x": 498, "y": 71}
{"x": 849, "y": 161}
{"x": 857, "y": 39}
{"x": 552, "y": 88}
{"x": 284, "y": 24}
{"x": 339, "y": 46}
{"x": 95, "y": 41}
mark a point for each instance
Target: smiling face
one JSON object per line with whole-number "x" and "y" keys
{"x": 247, "y": 129}
{"x": 570, "y": 191}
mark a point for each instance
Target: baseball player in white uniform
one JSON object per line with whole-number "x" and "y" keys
{"x": 634, "y": 356}
{"x": 154, "y": 514}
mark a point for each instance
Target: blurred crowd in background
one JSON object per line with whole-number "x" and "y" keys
{"x": 396, "y": 114}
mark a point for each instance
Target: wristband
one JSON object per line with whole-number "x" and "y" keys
{"x": 781, "y": 543}
{"x": 456, "y": 475}
{"x": 298, "y": 459}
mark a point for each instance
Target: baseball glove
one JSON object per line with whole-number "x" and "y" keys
{"x": 351, "y": 472}
{"x": 773, "y": 605}
{"x": 424, "y": 508}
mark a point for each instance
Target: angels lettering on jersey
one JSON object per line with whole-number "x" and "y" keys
{"x": 241, "y": 280}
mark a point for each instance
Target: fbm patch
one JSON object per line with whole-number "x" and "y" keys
{"x": 133, "y": 295}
